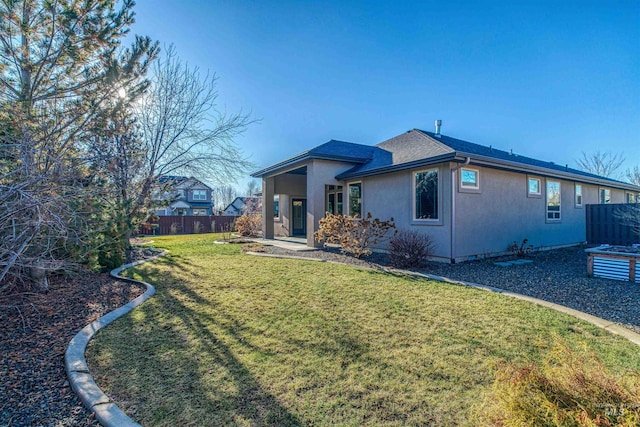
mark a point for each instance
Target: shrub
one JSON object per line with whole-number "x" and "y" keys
{"x": 249, "y": 225}
{"x": 520, "y": 250}
{"x": 410, "y": 249}
{"x": 354, "y": 234}
{"x": 567, "y": 388}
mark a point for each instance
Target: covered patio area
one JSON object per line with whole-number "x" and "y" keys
{"x": 298, "y": 191}
{"x": 296, "y": 199}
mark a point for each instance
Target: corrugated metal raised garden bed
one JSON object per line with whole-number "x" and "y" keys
{"x": 615, "y": 262}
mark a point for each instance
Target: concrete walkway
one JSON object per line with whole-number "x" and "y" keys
{"x": 107, "y": 412}
{"x": 298, "y": 244}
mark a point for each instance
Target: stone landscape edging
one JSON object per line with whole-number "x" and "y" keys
{"x": 607, "y": 325}
{"x": 80, "y": 379}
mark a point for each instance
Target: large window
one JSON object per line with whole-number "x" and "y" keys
{"x": 425, "y": 186}
{"x": 605, "y": 196}
{"x": 355, "y": 199}
{"x": 276, "y": 206}
{"x": 553, "y": 201}
{"x": 333, "y": 199}
{"x": 579, "y": 195}
{"x": 199, "y": 194}
{"x": 197, "y": 211}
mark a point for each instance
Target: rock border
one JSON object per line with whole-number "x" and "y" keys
{"x": 607, "y": 325}
{"x": 80, "y": 379}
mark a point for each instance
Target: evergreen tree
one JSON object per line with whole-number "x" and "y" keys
{"x": 61, "y": 67}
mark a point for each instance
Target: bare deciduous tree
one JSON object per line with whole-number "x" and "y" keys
{"x": 223, "y": 196}
{"x": 633, "y": 175}
{"x": 177, "y": 131}
{"x": 601, "y": 163}
{"x": 253, "y": 187}
{"x": 183, "y": 130}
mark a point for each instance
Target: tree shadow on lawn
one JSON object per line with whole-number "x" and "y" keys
{"x": 163, "y": 355}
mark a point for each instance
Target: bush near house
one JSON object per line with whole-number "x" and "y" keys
{"x": 354, "y": 234}
{"x": 249, "y": 225}
{"x": 410, "y": 249}
{"x": 520, "y": 250}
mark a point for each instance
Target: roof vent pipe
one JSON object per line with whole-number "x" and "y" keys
{"x": 438, "y": 125}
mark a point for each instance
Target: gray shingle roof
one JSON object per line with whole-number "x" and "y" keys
{"x": 332, "y": 150}
{"x": 465, "y": 147}
{"x": 417, "y": 148}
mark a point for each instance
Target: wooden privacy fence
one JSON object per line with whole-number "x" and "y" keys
{"x": 189, "y": 224}
{"x": 605, "y": 227}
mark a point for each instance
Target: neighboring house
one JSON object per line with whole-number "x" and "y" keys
{"x": 240, "y": 205}
{"x": 472, "y": 200}
{"x": 185, "y": 196}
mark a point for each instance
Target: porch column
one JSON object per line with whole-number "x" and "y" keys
{"x": 315, "y": 202}
{"x": 268, "y": 186}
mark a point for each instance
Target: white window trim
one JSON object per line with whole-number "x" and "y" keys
{"x": 629, "y": 197}
{"x": 469, "y": 188}
{"x": 349, "y": 184}
{"x": 600, "y": 201}
{"x": 199, "y": 198}
{"x": 537, "y": 195}
{"x": 426, "y": 221}
{"x": 575, "y": 195}
{"x": 546, "y": 208}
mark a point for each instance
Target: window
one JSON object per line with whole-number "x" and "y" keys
{"x": 355, "y": 199}
{"x": 425, "y": 186}
{"x": 605, "y": 196}
{"x": 469, "y": 179}
{"x": 181, "y": 212}
{"x": 199, "y": 195}
{"x": 533, "y": 188}
{"x": 199, "y": 211}
{"x": 553, "y": 201}
{"x": 276, "y": 206}
{"x": 578, "y": 194}
{"x": 333, "y": 199}
{"x": 630, "y": 198}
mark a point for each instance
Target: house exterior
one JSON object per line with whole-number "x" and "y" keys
{"x": 240, "y": 205}
{"x": 184, "y": 196}
{"x": 472, "y": 200}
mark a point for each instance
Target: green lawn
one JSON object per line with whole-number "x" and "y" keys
{"x": 233, "y": 339}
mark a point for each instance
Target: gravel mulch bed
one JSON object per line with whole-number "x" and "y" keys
{"x": 558, "y": 276}
{"x": 34, "y": 332}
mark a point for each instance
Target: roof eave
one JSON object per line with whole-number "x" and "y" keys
{"x": 298, "y": 160}
{"x": 521, "y": 167}
{"x": 398, "y": 167}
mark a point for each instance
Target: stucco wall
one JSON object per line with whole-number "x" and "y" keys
{"x": 319, "y": 174}
{"x": 391, "y": 195}
{"x": 291, "y": 184}
{"x": 503, "y": 212}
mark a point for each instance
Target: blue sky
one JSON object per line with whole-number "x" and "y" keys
{"x": 548, "y": 79}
